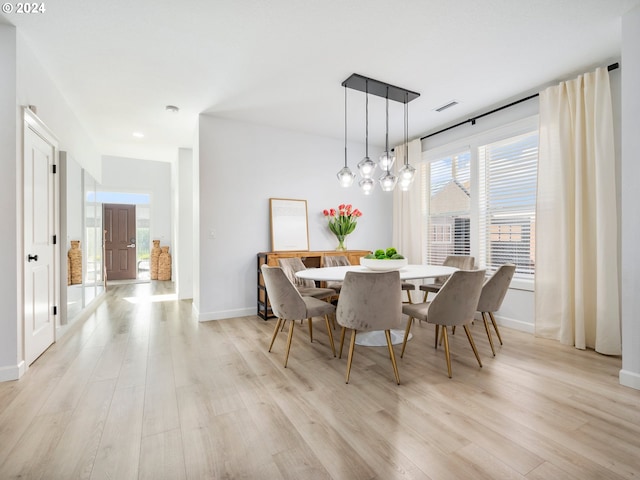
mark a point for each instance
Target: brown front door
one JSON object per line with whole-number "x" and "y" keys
{"x": 120, "y": 241}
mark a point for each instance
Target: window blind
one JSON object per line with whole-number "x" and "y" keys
{"x": 448, "y": 207}
{"x": 507, "y": 203}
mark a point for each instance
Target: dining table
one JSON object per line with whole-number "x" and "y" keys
{"x": 408, "y": 272}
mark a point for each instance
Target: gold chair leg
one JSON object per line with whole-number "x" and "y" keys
{"x": 495, "y": 326}
{"x": 352, "y": 345}
{"x": 453, "y": 330}
{"x": 473, "y": 345}
{"x": 486, "y": 327}
{"x": 437, "y": 330}
{"x": 333, "y": 347}
{"x": 341, "y": 340}
{"x": 392, "y": 355}
{"x": 275, "y": 333}
{"x": 310, "y": 329}
{"x": 286, "y": 356}
{"x": 446, "y": 349}
{"x": 406, "y": 335}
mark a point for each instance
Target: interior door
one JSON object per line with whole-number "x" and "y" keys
{"x": 40, "y": 258}
{"x": 120, "y": 241}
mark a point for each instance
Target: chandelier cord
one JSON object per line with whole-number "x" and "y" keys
{"x": 366, "y": 132}
{"x": 345, "y": 126}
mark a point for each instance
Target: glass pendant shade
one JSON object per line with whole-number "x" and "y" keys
{"x": 367, "y": 184}
{"x": 388, "y": 181}
{"x": 346, "y": 177}
{"x": 407, "y": 175}
{"x": 366, "y": 166}
{"x": 386, "y": 160}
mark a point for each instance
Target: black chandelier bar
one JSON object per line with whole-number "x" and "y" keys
{"x": 380, "y": 89}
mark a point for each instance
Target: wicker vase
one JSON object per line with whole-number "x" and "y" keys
{"x": 164, "y": 264}
{"x": 155, "y": 253}
{"x": 75, "y": 262}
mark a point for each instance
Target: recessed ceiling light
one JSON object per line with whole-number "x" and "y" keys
{"x": 138, "y": 134}
{"x": 172, "y": 109}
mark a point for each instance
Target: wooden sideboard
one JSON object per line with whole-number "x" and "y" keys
{"x": 310, "y": 258}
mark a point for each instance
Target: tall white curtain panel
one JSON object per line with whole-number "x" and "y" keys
{"x": 407, "y": 216}
{"x": 576, "y": 278}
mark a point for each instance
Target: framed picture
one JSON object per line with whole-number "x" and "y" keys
{"x": 289, "y": 227}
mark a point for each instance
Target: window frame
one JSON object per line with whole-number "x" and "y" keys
{"x": 472, "y": 144}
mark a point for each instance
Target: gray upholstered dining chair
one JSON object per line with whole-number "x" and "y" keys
{"x": 407, "y": 287}
{"x": 335, "y": 261}
{"x": 461, "y": 262}
{"x": 454, "y": 304}
{"x": 307, "y": 288}
{"x": 370, "y": 301}
{"x": 492, "y": 296}
{"x": 288, "y": 304}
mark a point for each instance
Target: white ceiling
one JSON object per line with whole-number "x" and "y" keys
{"x": 281, "y": 62}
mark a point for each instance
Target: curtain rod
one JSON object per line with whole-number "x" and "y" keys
{"x": 472, "y": 120}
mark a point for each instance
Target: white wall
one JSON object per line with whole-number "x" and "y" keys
{"x": 11, "y": 215}
{"x": 143, "y": 176}
{"x": 35, "y": 87}
{"x": 184, "y": 224}
{"x": 630, "y": 373}
{"x": 23, "y": 82}
{"x": 241, "y": 166}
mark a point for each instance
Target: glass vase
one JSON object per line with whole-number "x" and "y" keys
{"x": 341, "y": 243}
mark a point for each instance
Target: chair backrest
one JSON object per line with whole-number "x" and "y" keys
{"x": 336, "y": 261}
{"x": 495, "y": 288}
{"x": 456, "y": 302}
{"x": 461, "y": 262}
{"x": 292, "y": 265}
{"x": 286, "y": 302}
{"x": 370, "y": 301}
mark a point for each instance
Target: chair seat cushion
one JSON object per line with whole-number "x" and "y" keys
{"x": 317, "y": 308}
{"x": 316, "y": 292}
{"x": 408, "y": 286}
{"x": 431, "y": 287}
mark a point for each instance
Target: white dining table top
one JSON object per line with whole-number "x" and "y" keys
{"x": 410, "y": 272}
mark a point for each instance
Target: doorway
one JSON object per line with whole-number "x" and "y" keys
{"x": 40, "y": 254}
{"x": 120, "y": 241}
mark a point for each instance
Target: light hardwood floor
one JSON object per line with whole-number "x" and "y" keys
{"x": 141, "y": 390}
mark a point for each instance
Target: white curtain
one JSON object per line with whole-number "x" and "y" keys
{"x": 576, "y": 280}
{"x": 407, "y": 215}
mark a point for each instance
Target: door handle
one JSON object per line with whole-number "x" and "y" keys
{"x": 32, "y": 257}
{"x": 133, "y": 245}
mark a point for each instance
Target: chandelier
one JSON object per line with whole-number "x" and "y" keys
{"x": 366, "y": 167}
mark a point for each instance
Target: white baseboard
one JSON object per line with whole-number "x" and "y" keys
{"x": 13, "y": 372}
{"x": 515, "y": 324}
{"x": 239, "y": 312}
{"x": 511, "y": 323}
{"x": 630, "y": 379}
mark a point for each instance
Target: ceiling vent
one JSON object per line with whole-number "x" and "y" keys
{"x": 450, "y": 104}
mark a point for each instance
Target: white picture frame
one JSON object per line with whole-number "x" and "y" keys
{"x": 289, "y": 225}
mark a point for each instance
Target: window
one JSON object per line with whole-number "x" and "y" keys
{"x": 449, "y": 207}
{"x": 480, "y": 200}
{"x": 507, "y": 202}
